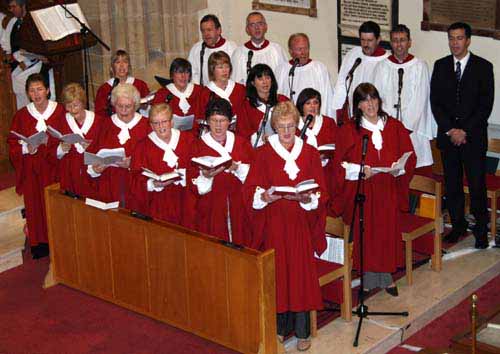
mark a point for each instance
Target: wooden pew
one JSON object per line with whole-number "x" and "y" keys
{"x": 172, "y": 274}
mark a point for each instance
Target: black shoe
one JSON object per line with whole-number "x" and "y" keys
{"x": 481, "y": 242}
{"x": 393, "y": 291}
{"x": 40, "y": 251}
{"x": 497, "y": 241}
{"x": 456, "y": 233}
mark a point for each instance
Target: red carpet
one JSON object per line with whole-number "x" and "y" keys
{"x": 62, "y": 320}
{"x": 438, "y": 333}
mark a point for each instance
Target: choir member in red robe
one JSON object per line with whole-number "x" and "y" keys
{"x": 165, "y": 150}
{"x": 72, "y": 172}
{"x": 120, "y": 69}
{"x": 287, "y": 223}
{"x": 386, "y": 195}
{"x": 36, "y": 167}
{"x": 322, "y": 130}
{"x": 123, "y": 131}
{"x": 262, "y": 96}
{"x": 220, "y": 209}
{"x": 220, "y": 84}
{"x": 182, "y": 95}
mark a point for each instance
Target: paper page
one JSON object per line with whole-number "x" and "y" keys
{"x": 326, "y": 147}
{"x": 101, "y": 205}
{"x": 72, "y": 139}
{"x": 183, "y": 123}
{"x": 37, "y": 139}
{"x": 54, "y": 132}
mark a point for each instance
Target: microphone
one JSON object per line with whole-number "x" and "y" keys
{"x": 364, "y": 145}
{"x": 202, "y": 53}
{"x": 308, "y": 121}
{"x": 109, "y": 109}
{"x": 249, "y": 61}
{"x": 400, "y": 79}
{"x": 294, "y": 65}
{"x": 354, "y": 67}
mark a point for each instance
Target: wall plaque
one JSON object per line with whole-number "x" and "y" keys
{"x": 482, "y": 15}
{"x": 299, "y": 7}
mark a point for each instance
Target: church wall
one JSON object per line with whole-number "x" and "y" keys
{"x": 428, "y": 45}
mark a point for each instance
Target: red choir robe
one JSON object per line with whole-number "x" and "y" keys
{"x": 113, "y": 183}
{"x": 190, "y": 106}
{"x": 285, "y": 225}
{"x": 250, "y": 117}
{"x": 324, "y": 131}
{"x": 102, "y": 98}
{"x": 234, "y": 93}
{"x": 224, "y": 190}
{"x": 35, "y": 172}
{"x": 72, "y": 172}
{"x": 174, "y": 203}
{"x": 386, "y": 195}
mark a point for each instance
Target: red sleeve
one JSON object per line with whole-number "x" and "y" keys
{"x": 142, "y": 87}
{"x": 138, "y": 199}
{"x": 101, "y": 100}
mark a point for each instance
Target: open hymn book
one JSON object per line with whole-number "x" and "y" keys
{"x": 54, "y": 23}
{"x": 106, "y": 157}
{"x": 396, "y": 167}
{"x": 305, "y": 186}
{"x": 34, "y": 140}
{"x": 66, "y": 138}
{"x": 211, "y": 162}
{"x": 163, "y": 177}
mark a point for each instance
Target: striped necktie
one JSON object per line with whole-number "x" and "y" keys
{"x": 458, "y": 75}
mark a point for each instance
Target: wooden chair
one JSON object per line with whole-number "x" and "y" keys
{"x": 493, "y": 188}
{"x": 414, "y": 226}
{"x": 329, "y": 271}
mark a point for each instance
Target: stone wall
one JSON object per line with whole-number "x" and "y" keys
{"x": 153, "y": 31}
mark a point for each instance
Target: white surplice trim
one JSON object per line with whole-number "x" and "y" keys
{"x": 169, "y": 157}
{"x": 124, "y": 134}
{"x": 258, "y": 203}
{"x": 290, "y": 167}
{"x": 351, "y": 170}
{"x": 375, "y": 129}
{"x": 41, "y": 117}
{"x": 87, "y": 124}
{"x": 313, "y": 132}
{"x": 130, "y": 80}
{"x": 220, "y": 92}
{"x": 182, "y": 96}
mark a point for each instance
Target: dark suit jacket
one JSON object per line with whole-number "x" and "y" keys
{"x": 477, "y": 92}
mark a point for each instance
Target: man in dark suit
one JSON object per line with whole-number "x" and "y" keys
{"x": 462, "y": 93}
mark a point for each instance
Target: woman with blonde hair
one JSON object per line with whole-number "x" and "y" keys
{"x": 121, "y": 69}
{"x": 77, "y": 120}
{"x": 286, "y": 223}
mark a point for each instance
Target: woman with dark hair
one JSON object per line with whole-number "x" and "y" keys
{"x": 262, "y": 96}
{"x": 120, "y": 70}
{"x": 36, "y": 166}
{"x": 386, "y": 194}
{"x": 287, "y": 223}
{"x": 220, "y": 84}
{"x": 220, "y": 209}
{"x": 182, "y": 95}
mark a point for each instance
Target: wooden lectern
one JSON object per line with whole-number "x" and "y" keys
{"x": 64, "y": 55}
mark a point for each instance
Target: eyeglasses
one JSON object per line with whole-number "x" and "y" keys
{"x": 218, "y": 121}
{"x": 74, "y": 104}
{"x": 160, "y": 123}
{"x": 285, "y": 128}
{"x": 125, "y": 106}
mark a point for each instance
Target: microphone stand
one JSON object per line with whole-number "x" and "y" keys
{"x": 398, "y": 105}
{"x": 262, "y": 126}
{"x": 359, "y": 200}
{"x": 292, "y": 92}
{"x": 85, "y": 31}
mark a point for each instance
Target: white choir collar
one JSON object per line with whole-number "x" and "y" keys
{"x": 87, "y": 124}
{"x": 169, "y": 156}
{"x": 182, "y": 96}
{"x": 291, "y": 168}
{"x": 124, "y": 134}
{"x": 41, "y": 117}
{"x": 377, "y": 140}
{"x": 130, "y": 80}
{"x": 220, "y": 92}
{"x": 222, "y": 150}
{"x": 313, "y": 132}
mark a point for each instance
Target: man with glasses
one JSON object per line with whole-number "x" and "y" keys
{"x": 258, "y": 50}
